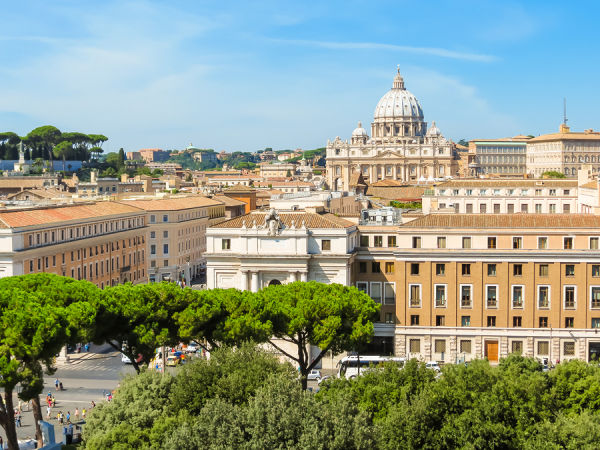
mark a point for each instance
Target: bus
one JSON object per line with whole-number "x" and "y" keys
{"x": 353, "y": 366}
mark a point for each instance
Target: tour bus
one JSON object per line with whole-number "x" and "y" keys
{"x": 352, "y": 366}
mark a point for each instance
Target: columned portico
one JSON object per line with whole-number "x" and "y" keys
{"x": 254, "y": 283}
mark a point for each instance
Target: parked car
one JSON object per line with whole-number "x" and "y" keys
{"x": 172, "y": 360}
{"x": 192, "y": 347}
{"x": 322, "y": 380}
{"x": 125, "y": 359}
{"x": 314, "y": 375}
{"x": 433, "y": 365}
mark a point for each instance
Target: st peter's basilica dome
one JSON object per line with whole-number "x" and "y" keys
{"x": 398, "y": 102}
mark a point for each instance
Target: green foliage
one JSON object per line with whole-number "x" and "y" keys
{"x": 406, "y": 205}
{"x": 553, "y": 174}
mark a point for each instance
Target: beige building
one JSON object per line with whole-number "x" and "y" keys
{"x": 104, "y": 243}
{"x": 277, "y": 170}
{"x": 177, "y": 235}
{"x": 564, "y": 152}
{"x": 497, "y": 157}
{"x": 474, "y": 286}
{"x": 401, "y": 146}
{"x": 502, "y": 196}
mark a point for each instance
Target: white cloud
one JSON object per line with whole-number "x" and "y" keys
{"x": 433, "y": 51}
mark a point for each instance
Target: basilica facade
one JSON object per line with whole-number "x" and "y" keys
{"x": 400, "y": 147}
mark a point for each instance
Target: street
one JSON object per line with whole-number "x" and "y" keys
{"x": 88, "y": 376}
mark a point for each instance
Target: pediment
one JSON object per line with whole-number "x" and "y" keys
{"x": 388, "y": 154}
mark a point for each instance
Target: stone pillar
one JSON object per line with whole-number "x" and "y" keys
{"x": 244, "y": 286}
{"x": 400, "y": 346}
{"x": 453, "y": 354}
{"x": 303, "y": 276}
{"x": 63, "y": 355}
{"x": 427, "y": 350}
{"x": 394, "y": 174}
{"x": 254, "y": 282}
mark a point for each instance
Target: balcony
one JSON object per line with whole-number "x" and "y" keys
{"x": 124, "y": 269}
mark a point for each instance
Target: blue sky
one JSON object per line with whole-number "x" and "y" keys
{"x": 247, "y": 75}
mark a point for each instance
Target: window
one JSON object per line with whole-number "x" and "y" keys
{"x": 569, "y": 322}
{"x": 440, "y": 321}
{"x": 491, "y": 296}
{"x": 466, "y": 269}
{"x": 225, "y": 244}
{"x": 416, "y": 242}
{"x": 441, "y": 242}
{"x": 543, "y": 322}
{"x": 569, "y": 298}
{"x": 517, "y": 346}
{"x": 152, "y": 234}
{"x": 389, "y": 267}
{"x": 566, "y": 208}
{"x": 465, "y": 321}
{"x": 165, "y": 234}
{"x": 153, "y": 249}
{"x": 542, "y": 243}
{"x": 568, "y": 243}
{"x": 377, "y": 241}
{"x": 389, "y": 318}
{"x": 517, "y": 296}
{"x": 543, "y": 270}
{"x": 543, "y": 297}
{"x": 414, "y": 344}
{"x": 415, "y": 295}
{"x": 517, "y": 270}
{"x": 364, "y": 241}
{"x": 375, "y": 267}
{"x": 414, "y": 268}
{"x": 152, "y": 219}
{"x": 440, "y": 295}
{"x": 594, "y": 243}
{"x": 538, "y": 208}
{"x": 491, "y": 242}
{"x": 595, "y": 294}
{"x": 465, "y": 346}
{"x": 465, "y": 295}
{"x": 595, "y": 270}
{"x": 391, "y": 241}
{"x": 543, "y": 348}
{"x": 517, "y": 321}
{"x": 491, "y": 270}
{"x": 362, "y": 267}
{"x": 466, "y": 242}
{"x": 326, "y": 244}
{"x": 414, "y": 320}
{"x": 165, "y": 249}
{"x": 491, "y": 321}
{"x": 389, "y": 294}
{"x": 482, "y": 207}
{"x": 569, "y": 348}
{"x": 524, "y": 206}
{"x": 363, "y": 286}
{"x": 595, "y": 322}
{"x": 440, "y": 269}
{"x": 469, "y": 208}
{"x": 440, "y": 345}
{"x": 166, "y": 262}
{"x": 517, "y": 242}
{"x": 165, "y": 217}
{"x": 376, "y": 292}
{"x": 510, "y": 208}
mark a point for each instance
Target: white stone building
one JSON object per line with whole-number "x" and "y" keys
{"x": 400, "y": 147}
{"x": 262, "y": 248}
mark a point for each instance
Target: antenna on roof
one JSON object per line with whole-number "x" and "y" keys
{"x": 565, "y": 120}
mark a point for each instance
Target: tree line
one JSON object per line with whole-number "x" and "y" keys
{"x": 41, "y": 313}
{"x": 245, "y": 398}
{"x": 48, "y": 142}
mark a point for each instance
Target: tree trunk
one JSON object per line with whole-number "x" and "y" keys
{"x": 37, "y": 416}
{"x": 9, "y": 426}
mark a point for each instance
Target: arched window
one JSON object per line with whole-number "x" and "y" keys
{"x": 274, "y": 282}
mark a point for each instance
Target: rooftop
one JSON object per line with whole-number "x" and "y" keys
{"x": 173, "y": 204}
{"x": 310, "y": 220}
{"x": 518, "y": 182}
{"x": 483, "y": 221}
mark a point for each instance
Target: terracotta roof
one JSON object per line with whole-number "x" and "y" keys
{"x": 24, "y": 182}
{"x": 173, "y": 204}
{"x": 311, "y": 220}
{"x": 229, "y": 201}
{"x": 49, "y": 215}
{"x": 397, "y": 193}
{"x": 356, "y": 179}
{"x": 388, "y": 183}
{"x": 571, "y": 136}
{"x": 506, "y": 221}
{"x": 45, "y": 193}
{"x": 519, "y": 182}
{"x": 590, "y": 185}
{"x": 283, "y": 184}
{"x": 239, "y": 188}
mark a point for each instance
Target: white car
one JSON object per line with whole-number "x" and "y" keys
{"x": 192, "y": 347}
{"x": 433, "y": 365}
{"x": 125, "y": 359}
{"x": 314, "y": 375}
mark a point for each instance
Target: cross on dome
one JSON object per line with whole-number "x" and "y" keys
{"x": 398, "y": 80}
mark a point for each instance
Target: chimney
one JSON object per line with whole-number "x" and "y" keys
{"x": 94, "y": 176}
{"x": 124, "y": 177}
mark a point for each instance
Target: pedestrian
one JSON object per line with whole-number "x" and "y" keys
{"x": 17, "y": 418}
{"x": 59, "y": 417}
{"x": 93, "y": 404}
{"x": 76, "y": 414}
{"x": 68, "y": 416}
{"x": 60, "y": 385}
{"x": 87, "y": 347}
{"x": 53, "y": 402}
{"x": 20, "y": 407}
{"x": 83, "y": 413}
{"x": 56, "y": 383}
{"x": 48, "y": 411}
